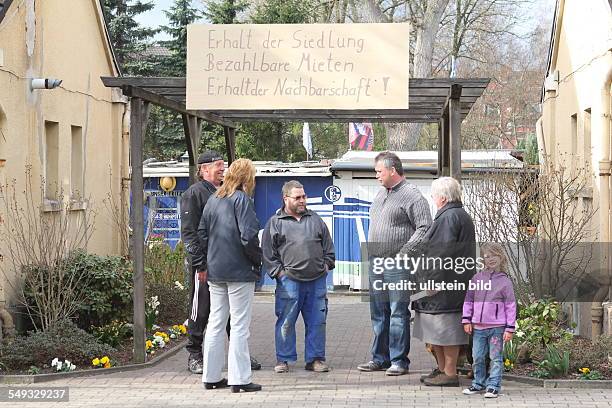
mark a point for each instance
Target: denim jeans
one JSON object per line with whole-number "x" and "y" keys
{"x": 292, "y": 298}
{"x": 489, "y": 341}
{"x": 390, "y": 315}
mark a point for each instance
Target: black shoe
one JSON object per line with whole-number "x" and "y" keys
{"x": 252, "y": 387}
{"x": 215, "y": 385}
{"x": 195, "y": 366}
{"x": 255, "y": 365}
{"x": 372, "y": 366}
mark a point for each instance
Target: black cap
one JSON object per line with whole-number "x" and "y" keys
{"x": 209, "y": 156}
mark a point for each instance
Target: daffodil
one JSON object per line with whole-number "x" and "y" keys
{"x": 95, "y": 362}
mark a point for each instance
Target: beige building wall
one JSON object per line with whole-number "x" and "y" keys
{"x": 49, "y": 39}
{"x": 575, "y": 123}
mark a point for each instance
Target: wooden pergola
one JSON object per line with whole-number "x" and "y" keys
{"x": 443, "y": 101}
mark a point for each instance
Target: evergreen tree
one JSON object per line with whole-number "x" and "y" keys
{"x": 224, "y": 11}
{"x": 179, "y": 16}
{"x": 129, "y": 39}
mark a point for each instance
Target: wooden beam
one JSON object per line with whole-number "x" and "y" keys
{"x": 230, "y": 143}
{"x": 454, "y": 118}
{"x": 162, "y": 101}
{"x": 445, "y": 145}
{"x": 137, "y": 116}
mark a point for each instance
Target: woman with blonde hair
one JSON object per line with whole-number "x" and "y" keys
{"x": 229, "y": 232}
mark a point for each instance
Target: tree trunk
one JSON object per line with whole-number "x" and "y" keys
{"x": 405, "y": 136}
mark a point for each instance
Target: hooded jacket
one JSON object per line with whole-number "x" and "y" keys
{"x": 494, "y": 306}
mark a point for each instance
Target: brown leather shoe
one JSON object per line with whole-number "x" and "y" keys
{"x": 317, "y": 366}
{"x": 435, "y": 372}
{"x": 443, "y": 380}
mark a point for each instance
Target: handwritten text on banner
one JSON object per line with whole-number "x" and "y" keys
{"x": 297, "y": 66}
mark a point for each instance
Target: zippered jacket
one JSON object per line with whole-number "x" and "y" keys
{"x": 494, "y": 306}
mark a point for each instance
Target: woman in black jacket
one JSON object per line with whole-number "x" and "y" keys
{"x": 451, "y": 255}
{"x": 229, "y": 231}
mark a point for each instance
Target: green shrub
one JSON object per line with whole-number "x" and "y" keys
{"x": 105, "y": 288}
{"x": 109, "y": 289}
{"x": 173, "y": 303}
{"x": 539, "y": 323}
{"x": 63, "y": 340}
{"x": 164, "y": 265}
{"x": 112, "y": 333}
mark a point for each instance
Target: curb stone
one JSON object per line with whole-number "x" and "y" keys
{"x": 38, "y": 378}
{"x": 546, "y": 383}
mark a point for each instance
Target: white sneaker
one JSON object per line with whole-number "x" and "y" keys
{"x": 491, "y": 393}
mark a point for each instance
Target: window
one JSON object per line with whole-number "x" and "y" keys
{"x": 52, "y": 186}
{"x": 77, "y": 165}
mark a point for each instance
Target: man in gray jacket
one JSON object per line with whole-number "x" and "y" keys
{"x": 298, "y": 251}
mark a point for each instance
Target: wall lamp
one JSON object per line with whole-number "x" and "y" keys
{"x": 45, "y": 83}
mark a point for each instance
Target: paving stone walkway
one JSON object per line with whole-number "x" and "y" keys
{"x": 348, "y": 342}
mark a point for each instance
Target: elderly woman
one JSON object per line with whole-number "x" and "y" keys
{"x": 229, "y": 231}
{"x": 451, "y": 255}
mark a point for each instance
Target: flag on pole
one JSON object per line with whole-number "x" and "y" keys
{"x": 306, "y": 140}
{"x": 361, "y": 136}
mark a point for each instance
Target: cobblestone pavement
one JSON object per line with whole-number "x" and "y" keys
{"x": 348, "y": 342}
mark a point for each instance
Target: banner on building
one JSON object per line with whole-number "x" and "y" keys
{"x": 297, "y": 66}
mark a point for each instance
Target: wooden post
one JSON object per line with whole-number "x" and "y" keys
{"x": 454, "y": 110}
{"x": 230, "y": 143}
{"x": 192, "y": 128}
{"x": 137, "y": 117}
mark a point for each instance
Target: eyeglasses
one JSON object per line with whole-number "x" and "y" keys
{"x": 300, "y": 197}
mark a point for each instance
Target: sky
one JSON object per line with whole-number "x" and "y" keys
{"x": 156, "y": 17}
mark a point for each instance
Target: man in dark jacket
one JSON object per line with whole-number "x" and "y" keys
{"x": 210, "y": 170}
{"x": 298, "y": 251}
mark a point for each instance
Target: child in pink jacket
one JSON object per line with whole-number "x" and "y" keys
{"x": 489, "y": 313}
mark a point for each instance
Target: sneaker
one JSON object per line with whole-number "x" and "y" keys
{"x": 372, "y": 366}
{"x": 255, "y": 365}
{"x": 491, "y": 393}
{"x": 195, "y": 366}
{"x": 472, "y": 390}
{"x": 396, "y": 370}
{"x": 281, "y": 367}
{"x": 317, "y": 366}
{"x": 443, "y": 380}
{"x": 434, "y": 373}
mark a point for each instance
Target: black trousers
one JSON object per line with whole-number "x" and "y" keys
{"x": 199, "y": 311}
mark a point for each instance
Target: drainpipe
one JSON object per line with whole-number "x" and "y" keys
{"x": 601, "y": 116}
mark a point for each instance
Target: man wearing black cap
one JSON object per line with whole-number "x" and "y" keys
{"x": 193, "y": 200}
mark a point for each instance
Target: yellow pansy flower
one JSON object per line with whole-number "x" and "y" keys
{"x": 95, "y": 362}
{"x": 104, "y": 360}
{"x": 585, "y": 370}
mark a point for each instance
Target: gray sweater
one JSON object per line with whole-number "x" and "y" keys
{"x": 399, "y": 219}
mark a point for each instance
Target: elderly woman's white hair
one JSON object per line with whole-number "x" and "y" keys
{"x": 446, "y": 187}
